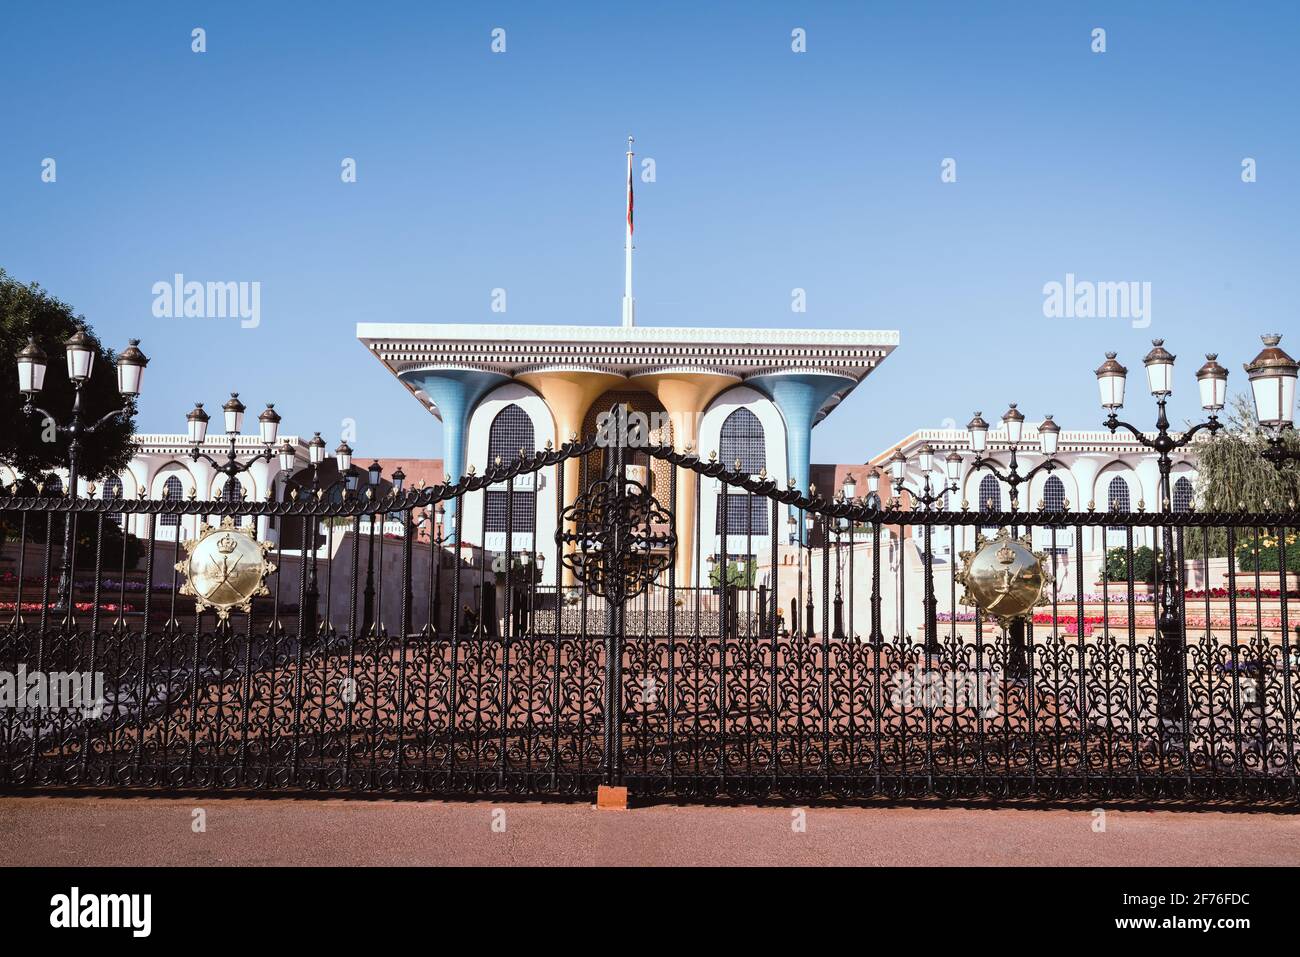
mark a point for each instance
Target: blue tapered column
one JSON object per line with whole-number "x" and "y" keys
{"x": 799, "y": 396}
{"x": 455, "y": 392}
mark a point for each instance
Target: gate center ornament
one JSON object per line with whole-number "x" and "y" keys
{"x": 1005, "y": 578}
{"x": 623, "y": 538}
{"x": 226, "y": 568}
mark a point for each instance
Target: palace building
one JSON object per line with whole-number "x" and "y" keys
{"x": 751, "y": 395}
{"x": 1098, "y": 470}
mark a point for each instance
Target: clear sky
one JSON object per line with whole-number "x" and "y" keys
{"x": 775, "y": 170}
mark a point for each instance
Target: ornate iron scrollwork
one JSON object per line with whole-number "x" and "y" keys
{"x": 622, "y": 539}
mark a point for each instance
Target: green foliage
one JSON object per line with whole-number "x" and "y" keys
{"x": 111, "y": 555}
{"x": 736, "y": 578}
{"x": 1144, "y": 564}
{"x": 1233, "y": 474}
{"x": 31, "y": 311}
{"x": 1267, "y": 556}
{"x": 42, "y": 525}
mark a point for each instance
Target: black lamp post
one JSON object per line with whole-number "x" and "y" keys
{"x": 809, "y": 522}
{"x": 80, "y": 354}
{"x": 315, "y": 456}
{"x": 848, "y": 492}
{"x": 268, "y": 424}
{"x": 373, "y": 475}
{"x": 1212, "y": 379}
{"x": 439, "y": 536}
{"x": 408, "y": 531}
{"x": 928, "y": 498}
{"x": 1272, "y": 376}
{"x": 1049, "y": 434}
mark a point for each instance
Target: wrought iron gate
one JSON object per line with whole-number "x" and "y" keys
{"x": 815, "y": 648}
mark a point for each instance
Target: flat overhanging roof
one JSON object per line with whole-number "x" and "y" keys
{"x": 513, "y": 349}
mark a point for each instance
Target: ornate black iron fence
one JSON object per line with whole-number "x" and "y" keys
{"x": 619, "y": 636}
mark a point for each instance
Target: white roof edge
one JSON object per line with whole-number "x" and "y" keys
{"x": 217, "y": 441}
{"x": 1000, "y": 437}
{"x": 414, "y": 331}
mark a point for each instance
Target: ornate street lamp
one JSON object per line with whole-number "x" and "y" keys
{"x": 31, "y": 368}
{"x": 1272, "y": 376}
{"x": 1212, "y": 380}
{"x": 848, "y": 493}
{"x": 268, "y": 423}
{"x": 408, "y": 533}
{"x": 79, "y": 351}
{"x": 1049, "y": 435}
{"x": 315, "y": 450}
{"x": 288, "y": 456}
{"x": 343, "y": 458}
{"x": 928, "y": 497}
{"x": 809, "y": 523}
{"x": 373, "y": 475}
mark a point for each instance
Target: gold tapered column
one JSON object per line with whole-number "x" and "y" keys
{"x": 684, "y": 395}
{"x": 568, "y": 392}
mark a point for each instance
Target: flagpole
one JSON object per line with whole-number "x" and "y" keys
{"x": 629, "y": 304}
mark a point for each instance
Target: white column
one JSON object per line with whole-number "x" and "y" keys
{"x": 1148, "y": 474}
{"x": 260, "y": 474}
{"x": 1084, "y": 470}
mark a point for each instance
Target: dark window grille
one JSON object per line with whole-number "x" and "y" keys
{"x": 525, "y": 506}
{"x": 511, "y": 431}
{"x": 233, "y": 492}
{"x": 1117, "y": 500}
{"x": 1053, "y": 494}
{"x": 1183, "y": 495}
{"x": 746, "y": 514}
{"x": 742, "y": 438}
{"x": 113, "y": 489}
{"x": 53, "y": 485}
{"x": 173, "y": 491}
{"x": 990, "y": 499}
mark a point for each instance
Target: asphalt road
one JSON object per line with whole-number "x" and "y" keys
{"x": 250, "y": 832}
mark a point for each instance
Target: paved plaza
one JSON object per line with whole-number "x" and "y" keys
{"x": 249, "y": 832}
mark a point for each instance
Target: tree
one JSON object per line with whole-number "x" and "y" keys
{"x": 736, "y": 578}
{"x": 1145, "y": 561}
{"x": 1233, "y": 474}
{"x": 1233, "y": 471}
{"x": 30, "y": 311}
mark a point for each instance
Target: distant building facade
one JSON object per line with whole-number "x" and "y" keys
{"x": 1098, "y": 470}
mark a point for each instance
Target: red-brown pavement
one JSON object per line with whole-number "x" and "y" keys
{"x": 159, "y": 831}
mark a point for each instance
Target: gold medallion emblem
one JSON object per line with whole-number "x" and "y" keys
{"x": 1005, "y": 578}
{"x": 226, "y": 568}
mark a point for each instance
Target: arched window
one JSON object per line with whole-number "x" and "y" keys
{"x": 1117, "y": 499}
{"x": 233, "y": 492}
{"x": 511, "y": 431}
{"x": 990, "y": 498}
{"x": 990, "y": 494}
{"x": 1183, "y": 495}
{"x": 1053, "y": 494}
{"x": 113, "y": 489}
{"x": 53, "y": 485}
{"x": 173, "y": 491}
{"x": 742, "y": 440}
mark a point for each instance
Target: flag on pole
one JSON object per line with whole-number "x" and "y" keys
{"x": 629, "y": 192}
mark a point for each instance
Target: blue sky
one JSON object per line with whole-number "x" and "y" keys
{"x": 775, "y": 170}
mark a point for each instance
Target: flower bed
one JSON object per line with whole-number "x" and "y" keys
{"x": 85, "y": 606}
{"x": 106, "y": 584}
{"x": 1242, "y": 593}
